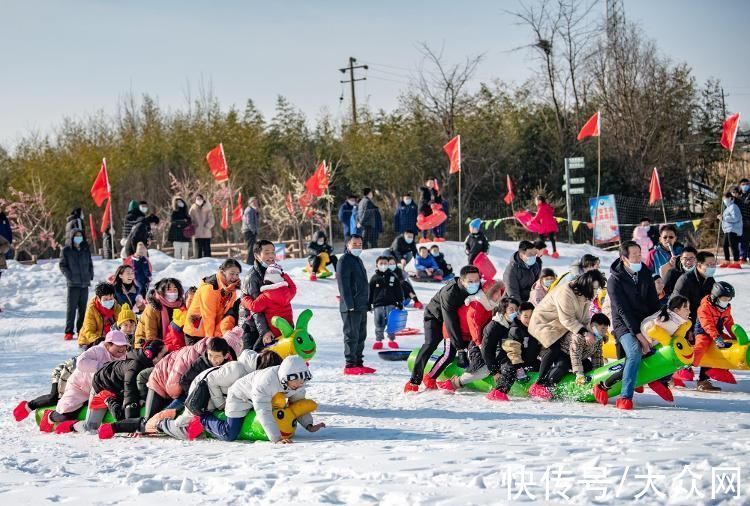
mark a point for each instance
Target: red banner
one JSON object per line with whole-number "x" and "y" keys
{"x": 217, "y": 163}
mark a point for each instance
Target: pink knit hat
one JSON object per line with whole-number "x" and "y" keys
{"x": 117, "y": 338}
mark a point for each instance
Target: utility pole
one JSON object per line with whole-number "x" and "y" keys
{"x": 723, "y": 104}
{"x": 352, "y": 80}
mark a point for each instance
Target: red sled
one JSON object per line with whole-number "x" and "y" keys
{"x": 432, "y": 221}
{"x": 486, "y": 267}
{"x": 408, "y": 331}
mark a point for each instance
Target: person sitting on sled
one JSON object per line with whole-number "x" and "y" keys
{"x": 427, "y": 267}
{"x": 275, "y": 299}
{"x": 320, "y": 254}
{"x": 502, "y": 354}
{"x": 127, "y": 323}
{"x": 101, "y": 315}
{"x": 78, "y": 386}
{"x": 60, "y": 377}
{"x": 542, "y": 286}
{"x": 443, "y": 265}
{"x": 713, "y": 327}
{"x": 256, "y": 391}
{"x": 386, "y": 295}
{"x": 476, "y": 242}
{"x": 406, "y": 287}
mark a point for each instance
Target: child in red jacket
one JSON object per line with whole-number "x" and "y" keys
{"x": 275, "y": 298}
{"x": 713, "y": 326}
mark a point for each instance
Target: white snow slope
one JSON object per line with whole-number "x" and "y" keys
{"x": 381, "y": 446}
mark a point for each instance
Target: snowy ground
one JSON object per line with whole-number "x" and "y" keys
{"x": 380, "y": 445}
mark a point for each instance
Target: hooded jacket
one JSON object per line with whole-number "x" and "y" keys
{"x": 345, "y": 216}
{"x": 141, "y": 232}
{"x": 78, "y": 386}
{"x": 424, "y": 263}
{"x": 74, "y": 223}
{"x": 149, "y": 324}
{"x": 659, "y": 256}
{"x": 640, "y": 236}
{"x": 93, "y": 324}
{"x": 203, "y": 220}
{"x": 131, "y": 218}
{"x": 444, "y": 306}
{"x": 251, "y": 291}
{"x": 560, "y": 312}
{"x": 219, "y": 380}
{"x": 178, "y": 220}
{"x": 120, "y": 377}
{"x": 275, "y": 301}
{"x": 519, "y": 277}
{"x": 385, "y": 290}
{"x": 207, "y": 309}
{"x": 76, "y": 264}
{"x": 631, "y": 301}
{"x": 476, "y": 243}
{"x": 314, "y": 249}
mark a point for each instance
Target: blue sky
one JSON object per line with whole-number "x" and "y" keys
{"x": 75, "y": 57}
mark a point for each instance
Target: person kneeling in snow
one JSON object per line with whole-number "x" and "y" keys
{"x": 255, "y": 391}
{"x": 385, "y": 296}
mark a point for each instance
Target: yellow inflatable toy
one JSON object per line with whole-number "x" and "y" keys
{"x": 683, "y": 352}
{"x": 294, "y": 341}
{"x": 323, "y": 271}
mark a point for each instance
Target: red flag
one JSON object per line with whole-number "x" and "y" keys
{"x": 510, "y": 196}
{"x": 591, "y": 128}
{"x": 318, "y": 182}
{"x": 289, "y": 204}
{"x": 106, "y": 218}
{"x": 654, "y": 189}
{"x": 91, "y": 226}
{"x": 305, "y": 200}
{"x": 237, "y": 211}
{"x": 100, "y": 190}
{"x": 729, "y": 131}
{"x": 217, "y": 162}
{"x": 224, "y": 218}
{"x": 453, "y": 150}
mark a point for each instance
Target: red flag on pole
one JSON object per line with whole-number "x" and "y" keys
{"x": 237, "y": 211}
{"x": 100, "y": 190}
{"x": 318, "y": 182}
{"x": 453, "y": 150}
{"x": 289, "y": 204}
{"x": 654, "y": 189}
{"x": 591, "y": 128}
{"x": 217, "y": 163}
{"x": 106, "y": 217}
{"x": 94, "y": 236}
{"x": 729, "y": 131}
{"x": 225, "y": 218}
{"x": 305, "y": 200}
{"x": 510, "y": 196}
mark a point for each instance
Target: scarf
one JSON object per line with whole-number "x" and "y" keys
{"x": 127, "y": 290}
{"x": 108, "y": 316}
{"x": 166, "y": 306}
{"x": 226, "y": 290}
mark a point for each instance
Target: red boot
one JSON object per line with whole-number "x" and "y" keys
{"x": 106, "y": 431}
{"x": 393, "y": 345}
{"x": 626, "y": 404}
{"x": 540, "y": 392}
{"x": 555, "y": 255}
{"x": 367, "y": 370}
{"x": 45, "y": 425}
{"x": 377, "y": 345}
{"x": 410, "y": 387}
{"x": 497, "y": 395}
{"x": 721, "y": 375}
{"x": 640, "y": 390}
{"x": 21, "y": 411}
{"x": 65, "y": 427}
{"x": 313, "y": 276}
{"x": 446, "y": 386}
{"x": 195, "y": 428}
{"x": 418, "y": 305}
{"x": 68, "y": 336}
{"x": 601, "y": 395}
{"x": 684, "y": 375}
{"x": 429, "y": 383}
{"x": 661, "y": 390}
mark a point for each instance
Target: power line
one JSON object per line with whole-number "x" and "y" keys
{"x": 352, "y": 80}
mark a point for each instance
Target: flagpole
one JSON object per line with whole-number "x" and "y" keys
{"x": 721, "y": 196}
{"x": 330, "y": 219}
{"x": 111, "y": 230}
{"x": 459, "y": 204}
{"x": 598, "y": 184}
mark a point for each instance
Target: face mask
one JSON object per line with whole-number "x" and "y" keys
{"x": 109, "y": 304}
{"x": 688, "y": 269}
{"x": 472, "y": 288}
{"x": 434, "y": 253}
{"x": 597, "y": 335}
{"x": 409, "y": 240}
{"x": 548, "y": 282}
{"x": 727, "y": 202}
{"x": 530, "y": 261}
{"x": 645, "y": 227}
{"x": 180, "y": 204}
{"x": 172, "y": 296}
{"x": 745, "y": 188}
{"x": 635, "y": 266}
{"x": 710, "y": 271}
{"x": 143, "y": 209}
{"x": 321, "y": 241}
{"x": 352, "y": 202}
{"x": 722, "y": 303}
{"x": 407, "y": 201}
{"x": 77, "y": 239}
{"x": 512, "y": 316}
{"x": 391, "y": 267}
{"x": 383, "y": 268}
{"x": 355, "y": 252}
{"x": 199, "y": 202}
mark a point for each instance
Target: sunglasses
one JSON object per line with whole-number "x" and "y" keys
{"x": 669, "y": 237}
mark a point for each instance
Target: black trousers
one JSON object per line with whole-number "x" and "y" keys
{"x": 77, "y": 300}
{"x": 250, "y": 337}
{"x": 250, "y": 241}
{"x": 433, "y": 336}
{"x": 369, "y": 238}
{"x": 45, "y": 400}
{"x": 731, "y": 241}
{"x": 551, "y": 237}
{"x": 355, "y": 333}
{"x": 554, "y": 354}
{"x": 315, "y": 265}
{"x": 203, "y": 248}
{"x": 562, "y": 367}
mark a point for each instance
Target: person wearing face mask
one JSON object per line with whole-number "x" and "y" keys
{"x": 101, "y": 314}
{"x": 542, "y": 286}
{"x": 250, "y": 226}
{"x": 731, "y": 226}
{"x": 354, "y": 291}
{"x": 403, "y": 248}
{"x": 566, "y": 310}
{"x": 385, "y": 296}
{"x": 202, "y": 216}
{"x": 213, "y": 300}
{"x": 406, "y": 215}
{"x": 345, "y": 216}
{"x": 180, "y": 231}
{"x": 441, "y": 311}
{"x": 713, "y": 327}
{"x": 320, "y": 254}
{"x": 78, "y": 269}
{"x": 443, "y": 265}
{"x": 522, "y": 271}
{"x": 154, "y": 323}
{"x": 255, "y": 325}
{"x": 476, "y": 242}
{"x": 74, "y": 222}
{"x": 580, "y": 355}
{"x": 633, "y": 298}
{"x": 142, "y": 232}
{"x": 641, "y": 234}
{"x": 501, "y": 353}
{"x": 743, "y": 201}
{"x": 406, "y": 286}
{"x": 369, "y": 220}
{"x": 672, "y": 271}
{"x": 132, "y": 217}
{"x": 663, "y": 252}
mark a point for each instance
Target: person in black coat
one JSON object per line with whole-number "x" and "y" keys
{"x": 141, "y": 233}
{"x": 403, "y": 248}
{"x": 345, "y": 216}
{"x": 443, "y": 310}
{"x": 633, "y": 298}
{"x": 75, "y": 222}
{"x": 386, "y": 295}
{"x": 677, "y": 267}
{"x": 78, "y": 269}
{"x": 369, "y": 220}
{"x": 476, "y": 242}
{"x": 255, "y": 325}
{"x": 315, "y": 248}
{"x": 131, "y": 218}
{"x": 406, "y": 215}
{"x": 178, "y": 221}
{"x": 354, "y": 303}
{"x": 522, "y": 272}
{"x": 441, "y": 261}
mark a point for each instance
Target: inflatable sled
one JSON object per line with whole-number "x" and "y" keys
{"x": 394, "y": 355}
{"x": 736, "y": 357}
{"x": 323, "y": 271}
{"x": 486, "y": 267}
{"x": 286, "y": 416}
{"x": 434, "y": 220}
{"x": 396, "y": 324}
{"x": 666, "y": 359}
{"x": 294, "y": 341}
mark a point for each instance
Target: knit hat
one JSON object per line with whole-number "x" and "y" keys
{"x": 125, "y": 314}
{"x": 293, "y": 368}
{"x": 475, "y": 223}
{"x": 117, "y": 338}
{"x": 274, "y": 274}
{"x": 152, "y": 348}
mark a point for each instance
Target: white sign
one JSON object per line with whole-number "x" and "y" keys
{"x": 576, "y": 163}
{"x": 577, "y": 180}
{"x": 576, "y": 191}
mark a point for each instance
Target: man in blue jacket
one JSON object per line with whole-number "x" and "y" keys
{"x": 633, "y": 298}
{"x": 354, "y": 292}
{"x": 345, "y": 216}
{"x": 406, "y": 215}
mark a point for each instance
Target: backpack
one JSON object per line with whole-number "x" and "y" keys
{"x": 197, "y": 400}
